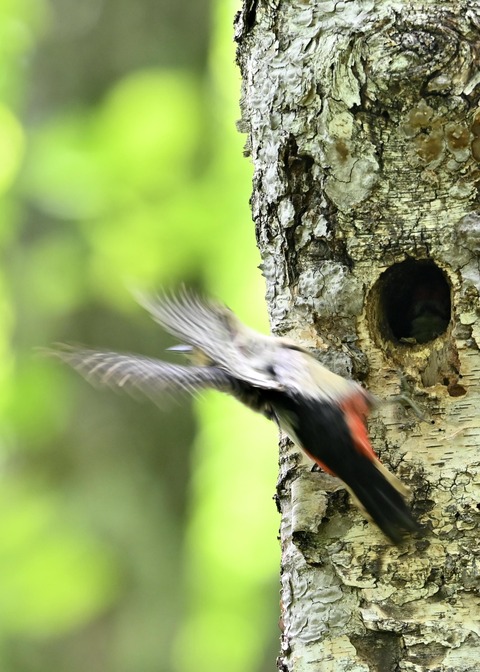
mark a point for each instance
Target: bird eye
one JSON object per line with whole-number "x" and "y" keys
{"x": 270, "y": 370}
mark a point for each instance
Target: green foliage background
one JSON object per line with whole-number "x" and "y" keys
{"x": 131, "y": 538}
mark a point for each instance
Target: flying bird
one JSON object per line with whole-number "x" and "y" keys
{"x": 322, "y": 412}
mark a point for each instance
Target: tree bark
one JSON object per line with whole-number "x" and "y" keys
{"x": 364, "y": 128}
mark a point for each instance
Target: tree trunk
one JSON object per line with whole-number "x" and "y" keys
{"x": 364, "y": 129}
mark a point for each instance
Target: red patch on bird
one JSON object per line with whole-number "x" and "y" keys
{"x": 356, "y": 410}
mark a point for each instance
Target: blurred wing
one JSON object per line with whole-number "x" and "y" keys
{"x": 216, "y": 331}
{"x": 198, "y": 322}
{"x": 133, "y": 373}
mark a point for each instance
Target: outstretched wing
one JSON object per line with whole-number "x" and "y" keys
{"x": 214, "y": 330}
{"x": 151, "y": 377}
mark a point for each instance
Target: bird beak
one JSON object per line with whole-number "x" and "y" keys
{"x": 183, "y": 349}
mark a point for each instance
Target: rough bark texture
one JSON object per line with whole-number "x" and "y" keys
{"x": 364, "y": 127}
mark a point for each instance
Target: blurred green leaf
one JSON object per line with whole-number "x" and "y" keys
{"x": 11, "y": 147}
{"x": 52, "y": 578}
{"x": 147, "y": 132}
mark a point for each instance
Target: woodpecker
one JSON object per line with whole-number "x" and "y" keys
{"x": 322, "y": 412}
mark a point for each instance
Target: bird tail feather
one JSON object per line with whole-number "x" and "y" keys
{"x": 381, "y": 495}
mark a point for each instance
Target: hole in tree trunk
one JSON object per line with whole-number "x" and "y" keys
{"x": 413, "y": 301}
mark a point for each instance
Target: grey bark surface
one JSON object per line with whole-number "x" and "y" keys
{"x": 363, "y": 124}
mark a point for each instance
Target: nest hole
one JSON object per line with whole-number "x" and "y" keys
{"x": 414, "y": 304}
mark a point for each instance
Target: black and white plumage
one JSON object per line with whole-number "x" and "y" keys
{"x": 145, "y": 375}
{"x": 325, "y": 414}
